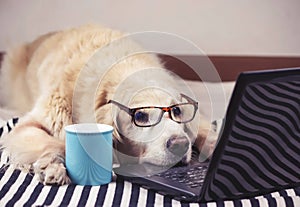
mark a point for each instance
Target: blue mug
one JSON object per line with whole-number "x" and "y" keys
{"x": 89, "y": 153}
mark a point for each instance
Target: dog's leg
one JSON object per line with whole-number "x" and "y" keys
{"x": 37, "y": 142}
{"x": 32, "y": 147}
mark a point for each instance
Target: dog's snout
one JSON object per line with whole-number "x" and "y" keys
{"x": 178, "y": 145}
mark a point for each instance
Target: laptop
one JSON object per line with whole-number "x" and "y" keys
{"x": 258, "y": 150}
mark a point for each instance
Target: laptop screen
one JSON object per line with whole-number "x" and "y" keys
{"x": 259, "y": 151}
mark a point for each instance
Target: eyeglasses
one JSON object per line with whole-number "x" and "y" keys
{"x": 151, "y": 115}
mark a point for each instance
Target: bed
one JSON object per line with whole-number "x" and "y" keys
{"x": 22, "y": 189}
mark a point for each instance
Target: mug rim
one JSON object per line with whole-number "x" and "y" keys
{"x": 88, "y": 128}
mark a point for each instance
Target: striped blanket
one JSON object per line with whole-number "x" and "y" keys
{"x": 22, "y": 189}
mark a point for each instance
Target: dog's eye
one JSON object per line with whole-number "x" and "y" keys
{"x": 176, "y": 111}
{"x": 141, "y": 117}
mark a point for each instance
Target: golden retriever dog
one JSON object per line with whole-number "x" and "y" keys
{"x": 95, "y": 74}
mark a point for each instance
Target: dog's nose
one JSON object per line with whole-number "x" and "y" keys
{"x": 178, "y": 145}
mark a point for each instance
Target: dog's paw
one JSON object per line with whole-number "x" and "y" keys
{"x": 51, "y": 171}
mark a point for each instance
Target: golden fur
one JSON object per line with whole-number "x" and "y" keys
{"x": 61, "y": 78}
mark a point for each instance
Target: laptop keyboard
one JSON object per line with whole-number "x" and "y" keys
{"x": 192, "y": 176}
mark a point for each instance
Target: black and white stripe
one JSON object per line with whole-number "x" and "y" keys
{"x": 22, "y": 189}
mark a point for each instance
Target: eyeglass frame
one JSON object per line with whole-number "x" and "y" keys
{"x": 131, "y": 111}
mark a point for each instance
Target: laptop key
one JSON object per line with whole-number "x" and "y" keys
{"x": 192, "y": 177}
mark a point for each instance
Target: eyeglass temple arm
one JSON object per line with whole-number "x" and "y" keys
{"x": 121, "y": 106}
{"x": 188, "y": 98}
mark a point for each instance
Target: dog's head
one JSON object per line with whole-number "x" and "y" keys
{"x": 155, "y": 127}
{"x": 133, "y": 79}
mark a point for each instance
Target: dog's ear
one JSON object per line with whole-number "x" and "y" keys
{"x": 123, "y": 144}
{"x": 129, "y": 147}
{"x": 127, "y": 151}
{"x": 116, "y": 134}
{"x": 101, "y": 99}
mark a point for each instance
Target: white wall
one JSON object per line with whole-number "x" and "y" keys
{"x": 226, "y": 27}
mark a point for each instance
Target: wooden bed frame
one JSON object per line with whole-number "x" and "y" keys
{"x": 228, "y": 67}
